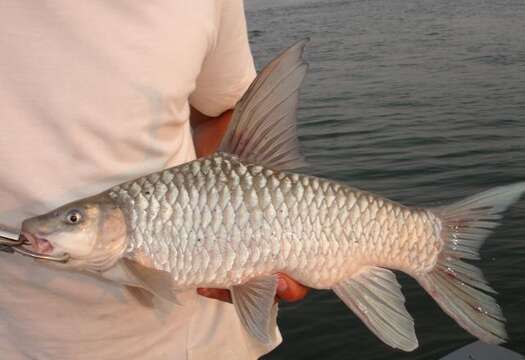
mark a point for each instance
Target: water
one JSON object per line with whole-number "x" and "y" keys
{"x": 422, "y": 101}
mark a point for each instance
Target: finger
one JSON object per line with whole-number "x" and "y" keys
{"x": 217, "y": 294}
{"x": 289, "y": 289}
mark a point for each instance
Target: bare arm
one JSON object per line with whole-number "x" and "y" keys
{"x": 207, "y": 134}
{"x": 208, "y": 131}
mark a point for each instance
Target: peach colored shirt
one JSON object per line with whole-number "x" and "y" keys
{"x": 94, "y": 93}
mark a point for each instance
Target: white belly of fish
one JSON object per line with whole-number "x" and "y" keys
{"x": 216, "y": 222}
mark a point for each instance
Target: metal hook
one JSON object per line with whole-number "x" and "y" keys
{"x": 11, "y": 242}
{"x": 61, "y": 259}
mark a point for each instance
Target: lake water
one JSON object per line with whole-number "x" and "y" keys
{"x": 422, "y": 101}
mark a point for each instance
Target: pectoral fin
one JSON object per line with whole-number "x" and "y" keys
{"x": 158, "y": 282}
{"x": 143, "y": 296}
{"x": 256, "y": 307}
{"x": 374, "y": 295}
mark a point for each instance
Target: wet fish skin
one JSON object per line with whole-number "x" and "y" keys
{"x": 234, "y": 219}
{"x": 217, "y": 222}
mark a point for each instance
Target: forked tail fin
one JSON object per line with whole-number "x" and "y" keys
{"x": 459, "y": 287}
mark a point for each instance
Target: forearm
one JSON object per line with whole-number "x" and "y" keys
{"x": 208, "y": 131}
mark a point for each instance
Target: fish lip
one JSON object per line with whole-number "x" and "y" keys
{"x": 36, "y": 243}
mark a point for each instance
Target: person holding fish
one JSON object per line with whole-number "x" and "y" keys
{"x": 94, "y": 94}
{"x": 233, "y": 219}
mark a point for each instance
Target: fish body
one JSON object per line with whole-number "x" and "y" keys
{"x": 234, "y": 219}
{"x": 217, "y": 222}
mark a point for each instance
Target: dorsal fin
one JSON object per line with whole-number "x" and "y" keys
{"x": 263, "y": 127}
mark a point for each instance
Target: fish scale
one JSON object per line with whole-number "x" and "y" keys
{"x": 259, "y": 210}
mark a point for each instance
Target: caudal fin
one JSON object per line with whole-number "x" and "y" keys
{"x": 459, "y": 287}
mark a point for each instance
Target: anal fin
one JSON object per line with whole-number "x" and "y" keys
{"x": 374, "y": 295}
{"x": 255, "y": 304}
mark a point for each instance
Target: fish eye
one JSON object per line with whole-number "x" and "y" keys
{"x": 74, "y": 217}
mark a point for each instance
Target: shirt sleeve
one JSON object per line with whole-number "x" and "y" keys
{"x": 228, "y": 68}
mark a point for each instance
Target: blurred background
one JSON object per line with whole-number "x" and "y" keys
{"x": 422, "y": 101}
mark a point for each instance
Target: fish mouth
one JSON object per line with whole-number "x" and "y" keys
{"x": 43, "y": 248}
{"x": 36, "y": 243}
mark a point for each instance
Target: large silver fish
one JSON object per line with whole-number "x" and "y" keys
{"x": 236, "y": 218}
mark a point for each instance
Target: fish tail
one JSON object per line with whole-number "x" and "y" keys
{"x": 458, "y": 287}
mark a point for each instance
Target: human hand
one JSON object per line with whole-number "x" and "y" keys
{"x": 287, "y": 289}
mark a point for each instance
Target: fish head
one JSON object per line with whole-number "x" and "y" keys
{"x": 91, "y": 231}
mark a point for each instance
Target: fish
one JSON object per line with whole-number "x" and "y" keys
{"x": 237, "y": 218}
